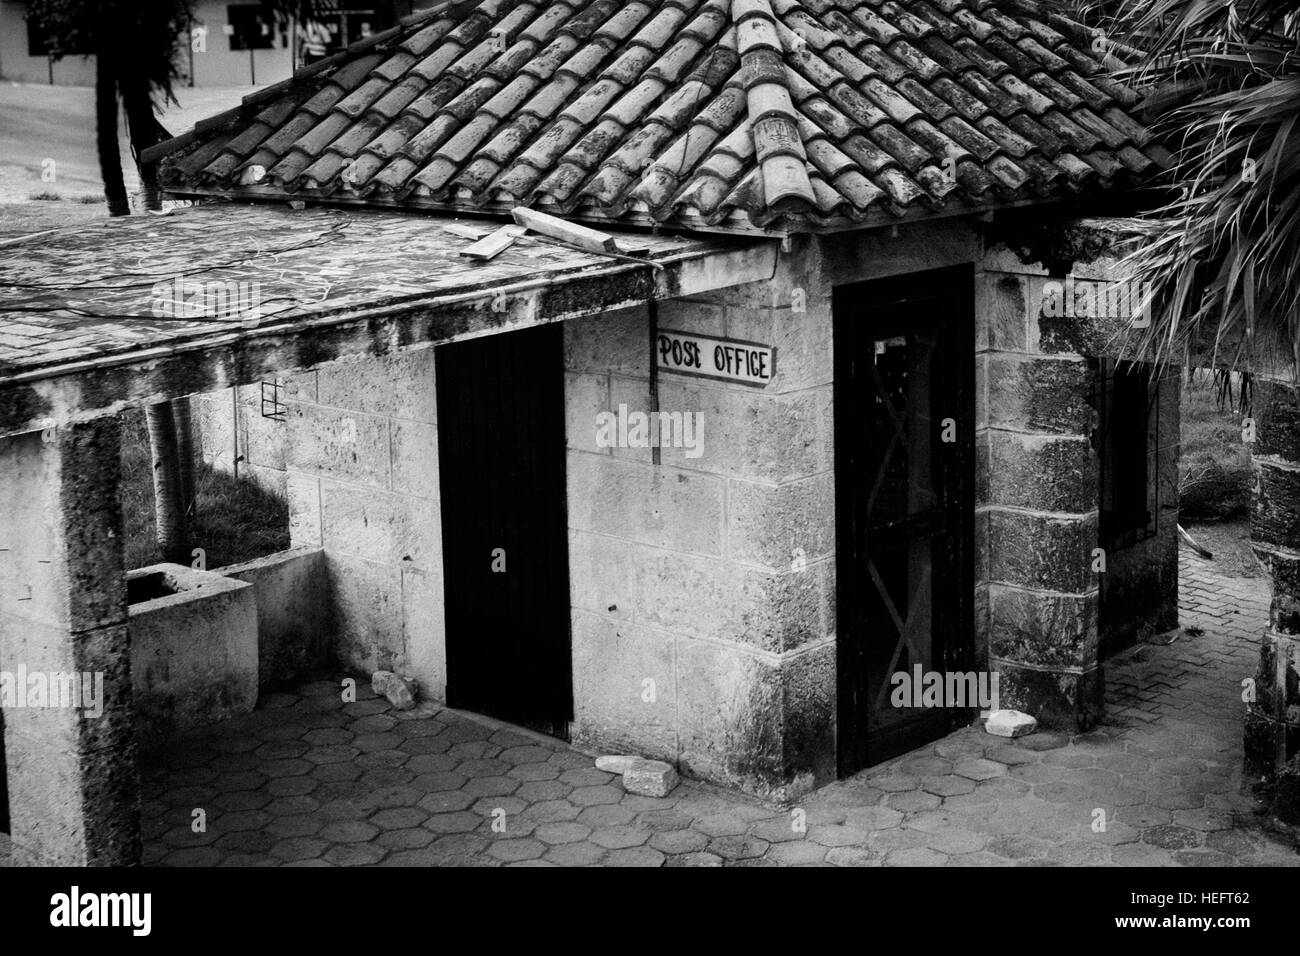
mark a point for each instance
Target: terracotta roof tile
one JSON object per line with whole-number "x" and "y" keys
{"x": 708, "y": 114}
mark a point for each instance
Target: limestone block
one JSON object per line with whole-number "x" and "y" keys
{"x": 303, "y": 492}
{"x": 1043, "y": 473}
{"x": 657, "y": 506}
{"x": 624, "y": 688}
{"x": 292, "y": 612}
{"x": 729, "y": 710}
{"x": 1275, "y": 510}
{"x": 650, "y": 778}
{"x": 368, "y": 614}
{"x": 380, "y": 526}
{"x": 1043, "y": 628}
{"x": 340, "y": 444}
{"x": 397, "y": 690}
{"x": 194, "y": 653}
{"x": 1040, "y": 394}
{"x": 768, "y": 525}
{"x": 1042, "y": 551}
{"x": 586, "y": 395}
{"x": 609, "y": 342}
{"x": 415, "y": 459}
{"x": 748, "y": 433}
{"x": 1010, "y": 723}
{"x": 1001, "y": 308}
{"x": 424, "y": 629}
{"x": 616, "y": 764}
{"x": 394, "y": 386}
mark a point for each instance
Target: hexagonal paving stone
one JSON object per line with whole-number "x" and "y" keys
{"x": 679, "y": 841}
{"x": 292, "y": 786}
{"x": 496, "y": 786}
{"x": 299, "y": 848}
{"x": 348, "y": 831}
{"x": 796, "y": 853}
{"x": 606, "y": 815}
{"x": 695, "y": 859}
{"x": 911, "y": 801}
{"x": 355, "y": 854}
{"x": 978, "y": 768}
{"x": 949, "y": 785}
{"x": 1141, "y": 815}
{"x": 445, "y": 801}
{"x": 461, "y": 821}
{"x": 563, "y": 832}
{"x": 511, "y": 849}
{"x": 591, "y": 796}
{"x": 384, "y": 760}
{"x": 490, "y": 806}
{"x": 295, "y": 805}
{"x": 1171, "y": 837}
{"x": 194, "y": 856}
{"x": 409, "y": 839}
{"x": 619, "y": 837}
{"x": 332, "y": 753}
{"x": 431, "y": 763}
{"x": 852, "y": 856}
{"x": 525, "y": 754}
{"x": 294, "y": 826}
{"x": 336, "y": 773}
{"x": 634, "y": 856}
{"x": 741, "y": 847}
{"x": 916, "y": 856}
{"x": 575, "y": 854}
{"x": 399, "y": 818}
{"x": 726, "y": 823}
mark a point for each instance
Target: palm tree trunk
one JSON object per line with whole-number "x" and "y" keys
{"x": 169, "y": 516}
{"x": 143, "y": 128}
{"x": 110, "y": 160}
{"x": 185, "y": 456}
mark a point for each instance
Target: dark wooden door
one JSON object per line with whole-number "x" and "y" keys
{"x": 904, "y": 456}
{"x": 505, "y": 540}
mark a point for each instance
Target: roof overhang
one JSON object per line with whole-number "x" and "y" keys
{"x": 99, "y": 340}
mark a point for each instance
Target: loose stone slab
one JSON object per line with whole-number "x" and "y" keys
{"x": 618, "y": 765}
{"x": 650, "y": 778}
{"x": 400, "y": 691}
{"x": 1010, "y": 723}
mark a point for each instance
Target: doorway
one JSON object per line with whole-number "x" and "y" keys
{"x": 904, "y": 470}
{"x": 505, "y": 528}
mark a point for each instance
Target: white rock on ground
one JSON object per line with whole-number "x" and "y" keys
{"x": 616, "y": 765}
{"x": 650, "y": 778}
{"x": 400, "y": 691}
{"x": 1010, "y": 723}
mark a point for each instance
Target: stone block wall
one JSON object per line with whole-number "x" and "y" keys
{"x": 1272, "y": 733}
{"x": 237, "y": 438}
{"x": 703, "y": 587}
{"x": 1036, "y": 504}
{"x": 361, "y": 464}
{"x": 1039, "y": 498}
{"x": 73, "y": 784}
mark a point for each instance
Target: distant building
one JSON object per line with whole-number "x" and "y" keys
{"x": 231, "y": 44}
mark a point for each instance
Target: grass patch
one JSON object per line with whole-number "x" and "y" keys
{"x": 46, "y": 196}
{"x": 89, "y": 200}
{"x": 237, "y": 520}
{"x": 1214, "y": 474}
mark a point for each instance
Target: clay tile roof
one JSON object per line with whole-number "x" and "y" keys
{"x": 714, "y": 115}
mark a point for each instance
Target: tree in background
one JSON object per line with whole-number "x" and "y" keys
{"x": 138, "y": 47}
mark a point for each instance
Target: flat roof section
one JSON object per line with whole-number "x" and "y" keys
{"x": 141, "y": 308}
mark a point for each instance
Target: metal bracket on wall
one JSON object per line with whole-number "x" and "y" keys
{"x": 272, "y": 407}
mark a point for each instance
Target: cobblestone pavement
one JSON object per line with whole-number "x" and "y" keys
{"x": 308, "y": 780}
